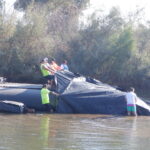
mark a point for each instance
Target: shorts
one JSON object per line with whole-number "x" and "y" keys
{"x": 131, "y": 108}
{"x": 49, "y": 77}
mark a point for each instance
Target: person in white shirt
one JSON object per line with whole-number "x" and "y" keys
{"x": 131, "y": 99}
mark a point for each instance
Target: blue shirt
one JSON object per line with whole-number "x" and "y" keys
{"x": 64, "y": 67}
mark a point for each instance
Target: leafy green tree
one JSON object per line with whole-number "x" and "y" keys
{"x": 110, "y": 48}
{"x": 23, "y": 4}
{"x": 7, "y": 29}
{"x": 44, "y": 31}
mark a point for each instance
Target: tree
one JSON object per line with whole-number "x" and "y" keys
{"x": 23, "y": 4}
{"x": 94, "y": 44}
{"x": 44, "y": 31}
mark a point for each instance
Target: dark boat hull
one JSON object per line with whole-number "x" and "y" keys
{"x": 30, "y": 97}
{"x": 78, "y": 95}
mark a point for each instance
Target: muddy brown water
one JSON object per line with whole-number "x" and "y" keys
{"x": 73, "y": 132}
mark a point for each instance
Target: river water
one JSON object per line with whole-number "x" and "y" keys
{"x": 73, "y": 132}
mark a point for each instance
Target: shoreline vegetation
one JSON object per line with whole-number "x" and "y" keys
{"x": 109, "y": 47}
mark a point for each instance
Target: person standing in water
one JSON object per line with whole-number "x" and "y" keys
{"x": 45, "y": 98}
{"x": 131, "y": 99}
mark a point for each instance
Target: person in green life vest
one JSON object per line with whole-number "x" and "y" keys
{"x": 45, "y": 98}
{"x": 47, "y": 71}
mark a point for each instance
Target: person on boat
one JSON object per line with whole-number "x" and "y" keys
{"x": 54, "y": 65}
{"x": 45, "y": 98}
{"x": 64, "y": 65}
{"x": 47, "y": 71}
{"x": 131, "y": 99}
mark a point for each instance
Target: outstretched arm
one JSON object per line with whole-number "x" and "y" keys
{"x": 49, "y": 69}
{"x": 54, "y": 93}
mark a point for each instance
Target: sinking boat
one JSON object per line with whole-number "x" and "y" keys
{"x": 11, "y": 106}
{"x": 78, "y": 95}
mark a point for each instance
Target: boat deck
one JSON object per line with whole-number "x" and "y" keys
{"x": 21, "y": 85}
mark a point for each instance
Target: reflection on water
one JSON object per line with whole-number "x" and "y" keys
{"x": 73, "y": 132}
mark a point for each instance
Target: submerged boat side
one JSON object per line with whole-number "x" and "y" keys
{"x": 77, "y": 95}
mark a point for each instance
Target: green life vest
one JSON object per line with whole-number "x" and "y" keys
{"x": 44, "y": 71}
{"x": 45, "y": 96}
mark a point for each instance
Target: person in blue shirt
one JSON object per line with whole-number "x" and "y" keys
{"x": 64, "y": 65}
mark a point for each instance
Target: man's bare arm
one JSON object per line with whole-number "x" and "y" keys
{"x": 54, "y": 93}
{"x": 49, "y": 69}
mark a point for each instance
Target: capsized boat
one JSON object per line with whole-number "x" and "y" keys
{"x": 78, "y": 95}
{"x": 85, "y": 95}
